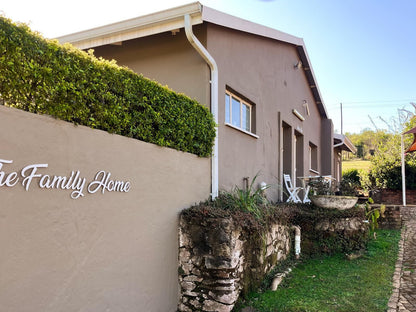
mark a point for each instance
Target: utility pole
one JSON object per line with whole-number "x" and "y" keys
{"x": 342, "y": 132}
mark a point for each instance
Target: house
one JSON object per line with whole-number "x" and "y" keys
{"x": 341, "y": 143}
{"x": 257, "y": 81}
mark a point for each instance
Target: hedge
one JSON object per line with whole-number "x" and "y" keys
{"x": 44, "y": 77}
{"x": 390, "y": 176}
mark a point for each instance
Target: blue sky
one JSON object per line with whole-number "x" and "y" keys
{"x": 362, "y": 51}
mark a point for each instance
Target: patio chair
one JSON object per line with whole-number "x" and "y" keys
{"x": 293, "y": 191}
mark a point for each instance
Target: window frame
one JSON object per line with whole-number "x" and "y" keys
{"x": 243, "y": 105}
{"x": 313, "y": 158}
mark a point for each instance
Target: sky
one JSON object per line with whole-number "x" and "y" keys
{"x": 362, "y": 51}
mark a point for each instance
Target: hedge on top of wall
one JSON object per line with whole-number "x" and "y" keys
{"x": 44, "y": 77}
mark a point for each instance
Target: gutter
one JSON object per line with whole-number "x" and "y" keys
{"x": 214, "y": 98}
{"x": 344, "y": 141}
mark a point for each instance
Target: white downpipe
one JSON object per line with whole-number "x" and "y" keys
{"x": 214, "y": 98}
{"x": 280, "y": 276}
{"x": 403, "y": 171}
{"x": 297, "y": 241}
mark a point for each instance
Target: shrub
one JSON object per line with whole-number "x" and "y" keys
{"x": 389, "y": 176}
{"x": 44, "y": 77}
{"x": 352, "y": 175}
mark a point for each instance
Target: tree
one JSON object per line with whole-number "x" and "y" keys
{"x": 386, "y": 162}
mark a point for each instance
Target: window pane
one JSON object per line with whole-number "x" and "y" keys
{"x": 227, "y": 108}
{"x": 246, "y": 117}
{"x": 235, "y": 112}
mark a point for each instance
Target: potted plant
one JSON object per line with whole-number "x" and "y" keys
{"x": 325, "y": 194}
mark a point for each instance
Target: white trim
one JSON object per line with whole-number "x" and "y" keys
{"x": 193, "y": 40}
{"x": 243, "y": 103}
{"x": 314, "y": 171}
{"x": 242, "y": 130}
{"x": 172, "y": 19}
{"x": 137, "y": 27}
{"x": 168, "y": 20}
{"x": 297, "y": 114}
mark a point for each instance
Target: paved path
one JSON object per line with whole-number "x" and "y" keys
{"x": 404, "y": 280}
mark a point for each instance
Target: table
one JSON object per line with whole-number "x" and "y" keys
{"x": 306, "y": 186}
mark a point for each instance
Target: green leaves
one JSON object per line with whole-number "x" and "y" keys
{"x": 41, "y": 76}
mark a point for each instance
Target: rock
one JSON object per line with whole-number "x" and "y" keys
{"x": 187, "y": 286}
{"x": 192, "y": 278}
{"x": 211, "y": 305}
{"x": 230, "y": 298}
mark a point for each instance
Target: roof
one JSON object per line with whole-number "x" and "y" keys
{"x": 173, "y": 19}
{"x": 343, "y": 142}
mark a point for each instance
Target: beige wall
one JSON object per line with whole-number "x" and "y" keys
{"x": 262, "y": 70}
{"x": 115, "y": 251}
{"x": 259, "y": 69}
{"x": 166, "y": 58}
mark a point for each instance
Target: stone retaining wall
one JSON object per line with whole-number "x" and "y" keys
{"x": 218, "y": 260}
{"x": 329, "y": 230}
{"x": 392, "y": 218}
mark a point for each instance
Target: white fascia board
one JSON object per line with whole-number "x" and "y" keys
{"x": 135, "y": 28}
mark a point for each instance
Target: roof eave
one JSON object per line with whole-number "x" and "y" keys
{"x": 142, "y": 26}
{"x": 310, "y": 76}
{"x": 344, "y": 143}
{"x": 173, "y": 19}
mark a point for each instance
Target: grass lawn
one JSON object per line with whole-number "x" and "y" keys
{"x": 356, "y": 164}
{"x": 334, "y": 283}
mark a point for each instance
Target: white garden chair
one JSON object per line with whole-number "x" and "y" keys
{"x": 293, "y": 190}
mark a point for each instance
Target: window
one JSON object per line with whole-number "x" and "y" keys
{"x": 313, "y": 157}
{"x": 238, "y": 112}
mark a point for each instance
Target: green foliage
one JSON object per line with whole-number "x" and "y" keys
{"x": 386, "y": 166}
{"x": 367, "y": 140}
{"x": 334, "y": 283}
{"x": 351, "y": 175}
{"x": 251, "y": 200}
{"x": 373, "y": 213}
{"x": 347, "y": 187}
{"x": 321, "y": 186}
{"x": 317, "y": 239}
{"x": 44, "y": 77}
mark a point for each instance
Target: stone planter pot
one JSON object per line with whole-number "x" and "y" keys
{"x": 333, "y": 201}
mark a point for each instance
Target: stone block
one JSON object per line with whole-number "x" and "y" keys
{"x": 188, "y": 286}
{"x": 216, "y": 263}
{"x": 229, "y": 298}
{"x": 184, "y": 308}
{"x": 192, "y": 278}
{"x": 196, "y": 304}
{"x": 187, "y": 268}
{"x": 213, "y": 306}
{"x": 184, "y": 255}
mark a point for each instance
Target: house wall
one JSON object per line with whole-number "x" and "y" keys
{"x": 111, "y": 251}
{"x": 327, "y": 150}
{"x": 337, "y": 171}
{"x": 259, "y": 69}
{"x": 262, "y": 70}
{"x": 166, "y": 58}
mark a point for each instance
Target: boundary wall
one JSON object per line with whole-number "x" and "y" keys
{"x": 88, "y": 219}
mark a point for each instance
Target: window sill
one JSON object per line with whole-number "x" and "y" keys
{"x": 241, "y": 130}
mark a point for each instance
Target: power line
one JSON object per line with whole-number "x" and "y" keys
{"x": 398, "y": 102}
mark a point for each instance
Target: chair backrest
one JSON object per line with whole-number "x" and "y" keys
{"x": 288, "y": 182}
